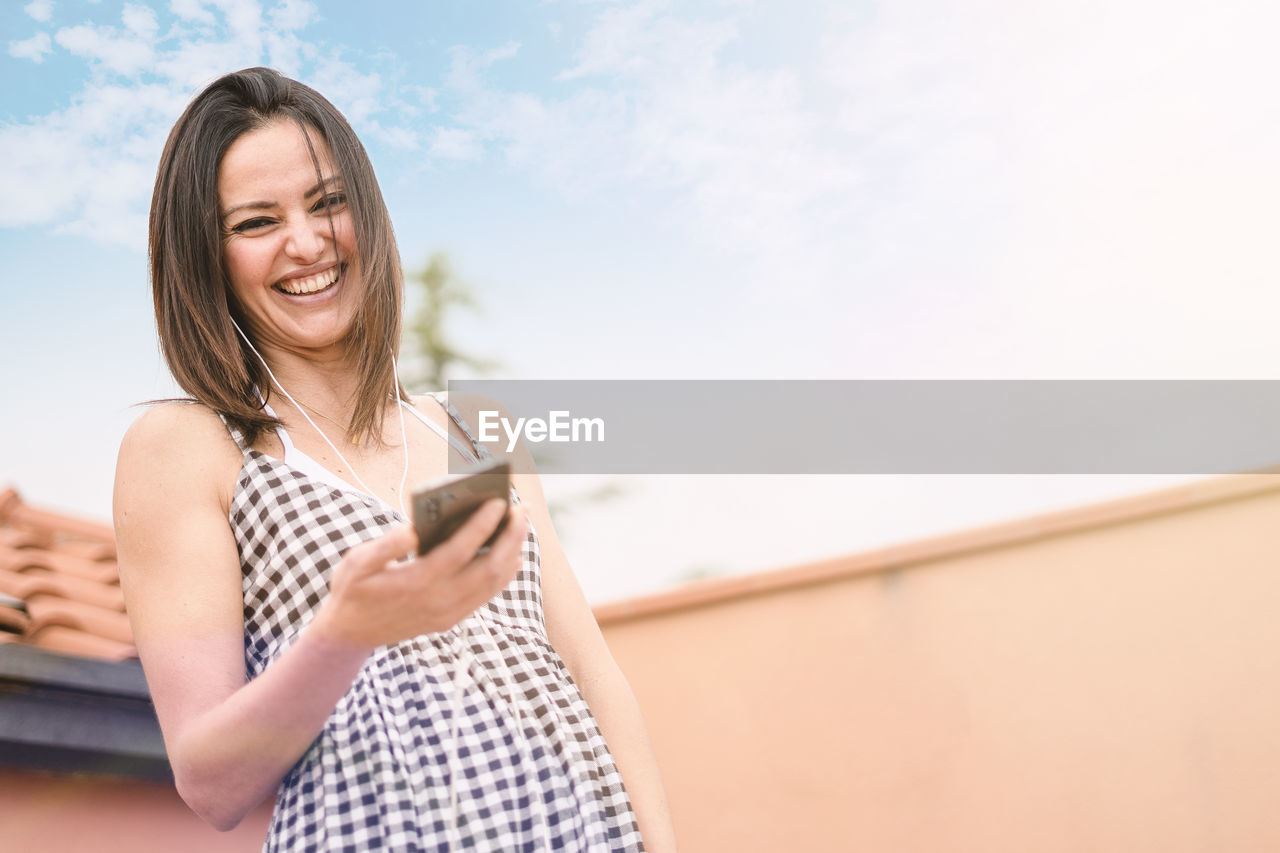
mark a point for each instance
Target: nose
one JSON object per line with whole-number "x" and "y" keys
{"x": 306, "y": 239}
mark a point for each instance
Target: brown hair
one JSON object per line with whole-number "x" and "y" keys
{"x": 194, "y": 302}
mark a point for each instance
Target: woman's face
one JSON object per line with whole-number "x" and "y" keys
{"x": 288, "y": 238}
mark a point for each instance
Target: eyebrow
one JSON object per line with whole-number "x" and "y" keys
{"x": 261, "y": 205}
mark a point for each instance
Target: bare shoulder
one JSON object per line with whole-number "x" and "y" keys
{"x": 175, "y": 421}
{"x": 184, "y": 444}
{"x": 179, "y": 429}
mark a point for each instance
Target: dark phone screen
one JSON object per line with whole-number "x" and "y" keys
{"x": 438, "y": 511}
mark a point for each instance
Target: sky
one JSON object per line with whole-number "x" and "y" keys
{"x": 711, "y": 189}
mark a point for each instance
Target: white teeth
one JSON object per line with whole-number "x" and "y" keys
{"x": 299, "y": 286}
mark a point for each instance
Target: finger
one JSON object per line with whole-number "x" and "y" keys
{"x": 502, "y": 562}
{"x": 459, "y": 549}
{"x": 511, "y": 542}
{"x": 489, "y": 573}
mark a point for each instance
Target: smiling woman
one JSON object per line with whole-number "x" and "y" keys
{"x": 464, "y": 699}
{"x": 209, "y": 155}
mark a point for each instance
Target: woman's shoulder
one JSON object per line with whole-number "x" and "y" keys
{"x": 175, "y": 455}
{"x": 172, "y": 418}
{"x": 178, "y": 433}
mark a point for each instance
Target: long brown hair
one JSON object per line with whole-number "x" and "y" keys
{"x": 194, "y": 302}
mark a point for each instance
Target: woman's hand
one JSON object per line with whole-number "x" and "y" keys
{"x": 377, "y": 599}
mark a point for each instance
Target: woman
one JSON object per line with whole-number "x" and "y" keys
{"x": 290, "y": 645}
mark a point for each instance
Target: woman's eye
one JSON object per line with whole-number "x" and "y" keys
{"x": 333, "y": 201}
{"x": 250, "y": 225}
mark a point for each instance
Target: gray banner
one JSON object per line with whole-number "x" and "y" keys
{"x": 881, "y": 427}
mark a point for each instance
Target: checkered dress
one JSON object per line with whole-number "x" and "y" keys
{"x": 386, "y": 770}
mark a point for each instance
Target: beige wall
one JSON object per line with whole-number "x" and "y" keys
{"x": 1104, "y": 680}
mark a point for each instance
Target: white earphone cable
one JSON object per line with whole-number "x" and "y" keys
{"x": 404, "y": 436}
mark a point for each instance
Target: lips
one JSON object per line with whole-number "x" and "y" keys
{"x": 310, "y": 284}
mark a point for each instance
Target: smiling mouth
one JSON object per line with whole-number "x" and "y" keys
{"x": 311, "y": 284}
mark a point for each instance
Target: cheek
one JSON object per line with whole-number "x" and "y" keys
{"x": 244, "y": 264}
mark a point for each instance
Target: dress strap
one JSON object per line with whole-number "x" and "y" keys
{"x": 280, "y": 430}
{"x": 463, "y": 451}
{"x": 236, "y": 435}
{"x": 477, "y": 449}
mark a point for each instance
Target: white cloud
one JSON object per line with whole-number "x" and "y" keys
{"x": 452, "y": 143}
{"x": 118, "y": 54}
{"x": 292, "y": 14}
{"x": 395, "y": 136}
{"x": 1126, "y": 171}
{"x": 357, "y": 94}
{"x": 426, "y": 95}
{"x": 87, "y": 168}
{"x": 1093, "y": 183}
{"x": 986, "y": 188}
{"x": 39, "y": 10}
{"x": 244, "y": 20}
{"x": 195, "y": 63}
{"x": 193, "y": 10}
{"x": 34, "y": 48}
{"x": 978, "y": 187}
{"x": 745, "y": 161}
{"x": 466, "y": 66}
{"x": 140, "y": 20}
{"x": 643, "y": 39}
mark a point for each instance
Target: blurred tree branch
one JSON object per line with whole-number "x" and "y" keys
{"x": 434, "y": 355}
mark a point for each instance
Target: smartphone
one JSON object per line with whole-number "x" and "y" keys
{"x": 439, "y": 509}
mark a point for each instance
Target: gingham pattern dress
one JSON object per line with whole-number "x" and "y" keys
{"x": 472, "y": 739}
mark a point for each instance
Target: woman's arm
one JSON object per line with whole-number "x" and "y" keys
{"x": 230, "y": 742}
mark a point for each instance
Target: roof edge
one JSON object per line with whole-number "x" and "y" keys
{"x": 80, "y": 715}
{"x": 15, "y": 511}
{"x": 28, "y": 665}
{"x": 712, "y": 591}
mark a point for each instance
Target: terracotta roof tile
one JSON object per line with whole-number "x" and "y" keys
{"x": 59, "y": 583}
{"x": 13, "y": 615}
{"x": 11, "y": 538}
{"x": 14, "y": 621}
{"x": 59, "y": 638}
{"x": 19, "y": 559}
{"x": 55, "y": 610}
{"x": 32, "y": 581}
{"x": 24, "y": 517}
